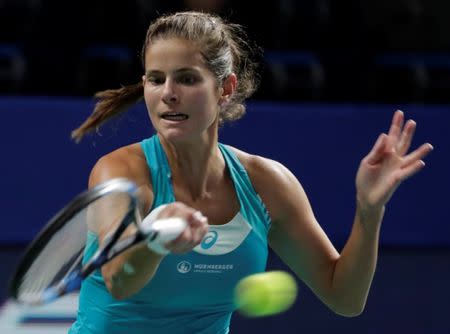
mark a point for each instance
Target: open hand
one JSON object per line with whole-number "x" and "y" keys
{"x": 388, "y": 164}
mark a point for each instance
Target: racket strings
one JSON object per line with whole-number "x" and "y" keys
{"x": 65, "y": 249}
{"x": 62, "y": 252}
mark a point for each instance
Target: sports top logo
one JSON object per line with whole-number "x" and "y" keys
{"x": 184, "y": 267}
{"x": 209, "y": 240}
{"x": 223, "y": 239}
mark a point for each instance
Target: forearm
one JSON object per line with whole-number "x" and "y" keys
{"x": 355, "y": 268}
{"x": 128, "y": 273}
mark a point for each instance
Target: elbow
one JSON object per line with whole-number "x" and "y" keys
{"x": 122, "y": 279}
{"x": 346, "y": 303}
{"x": 350, "y": 310}
{"x": 118, "y": 284}
{"x": 350, "y": 313}
{"x": 345, "y": 306}
{"x": 121, "y": 285}
{"x": 116, "y": 289}
{"x": 119, "y": 294}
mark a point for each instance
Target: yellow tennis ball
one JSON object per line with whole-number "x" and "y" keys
{"x": 265, "y": 294}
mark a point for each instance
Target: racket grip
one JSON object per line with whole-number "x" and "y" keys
{"x": 161, "y": 231}
{"x": 168, "y": 229}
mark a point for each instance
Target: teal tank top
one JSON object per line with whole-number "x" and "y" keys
{"x": 192, "y": 292}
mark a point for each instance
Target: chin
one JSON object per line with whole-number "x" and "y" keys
{"x": 176, "y": 135}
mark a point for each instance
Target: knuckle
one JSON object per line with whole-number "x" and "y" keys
{"x": 205, "y": 228}
{"x": 178, "y": 205}
{"x": 185, "y": 236}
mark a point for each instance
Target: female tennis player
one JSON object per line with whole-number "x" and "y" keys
{"x": 197, "y": 74}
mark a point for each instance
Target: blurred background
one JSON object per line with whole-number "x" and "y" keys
{"x": 332, "y": 74}
{"x": 315, "y": 50}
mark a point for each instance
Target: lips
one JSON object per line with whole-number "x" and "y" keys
{"x": 174, "y": 116}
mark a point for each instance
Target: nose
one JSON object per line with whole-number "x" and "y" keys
{"x": 170, "y": 95}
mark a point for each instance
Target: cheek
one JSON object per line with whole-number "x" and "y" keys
{"x": 204, "y": 99}
{"x": 151, "y": 104}
{"x": 205, "y": 108}
{"x": 150, "y": 99}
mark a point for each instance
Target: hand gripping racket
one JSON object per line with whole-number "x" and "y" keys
{"x": 58, "y": 259}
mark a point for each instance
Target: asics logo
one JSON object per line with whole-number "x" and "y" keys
{"x": 209, "y": 240}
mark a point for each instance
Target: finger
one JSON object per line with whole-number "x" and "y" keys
{"x": 377, "y": 151}
{"x": 181, "y": 243}
{"x": 178, "y": 209}
{"x": 417, "y": 154}
{"x": 199, "y": 224}
{"x": 412, "y": 169}
{"x": 406, "y": 137}
{"x": 192, "y": 236}
{"x": 197, "y": 218}
{"x": 396, "y": 125}
{"x": 178, "y": 248}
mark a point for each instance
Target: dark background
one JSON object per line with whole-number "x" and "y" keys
{"x": 315, "y": 50}
{"x": 333, "y": 72}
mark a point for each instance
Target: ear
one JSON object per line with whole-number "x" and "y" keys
{"x": 228, "y": 88}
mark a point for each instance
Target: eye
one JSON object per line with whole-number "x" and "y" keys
{"x": 187, "y": 79}
{"x": 155, "y": 80}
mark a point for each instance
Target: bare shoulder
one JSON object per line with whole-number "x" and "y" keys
{"x": 263, "y": 170}
{"x": 274, "y": 182}
{"x": 128, "y": 162}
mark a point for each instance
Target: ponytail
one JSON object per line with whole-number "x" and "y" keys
{"x": 111, "y": 103}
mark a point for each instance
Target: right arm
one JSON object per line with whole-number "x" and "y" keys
{"x": 130, "y": 271}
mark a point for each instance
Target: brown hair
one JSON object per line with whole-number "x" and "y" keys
{"x": 224, "y": 48}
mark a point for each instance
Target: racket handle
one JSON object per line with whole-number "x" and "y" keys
{"x": 168, "y": 229}
{"x": 161, "y": 231}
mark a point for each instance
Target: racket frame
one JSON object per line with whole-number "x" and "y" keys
{"x": 110, "y": 249}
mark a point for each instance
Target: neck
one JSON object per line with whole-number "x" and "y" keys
{"x": 196, "y": 166}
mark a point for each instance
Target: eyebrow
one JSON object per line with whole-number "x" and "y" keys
{"x": 177, "y": 71}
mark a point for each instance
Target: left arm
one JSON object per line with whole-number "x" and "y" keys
{"x": 378, "y": 176}
{"x": 341, "y": 281}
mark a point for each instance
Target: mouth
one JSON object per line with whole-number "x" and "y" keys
{"x": 174, "y": 116}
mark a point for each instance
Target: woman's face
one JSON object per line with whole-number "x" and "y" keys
{"x": 181, "y": 94}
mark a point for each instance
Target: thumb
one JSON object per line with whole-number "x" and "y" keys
{"x": 376, "y": 153}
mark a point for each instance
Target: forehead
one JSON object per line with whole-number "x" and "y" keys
{"x": 171, "y": 53}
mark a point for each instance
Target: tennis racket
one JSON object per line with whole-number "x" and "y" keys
{"x": 62, "y": 255}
